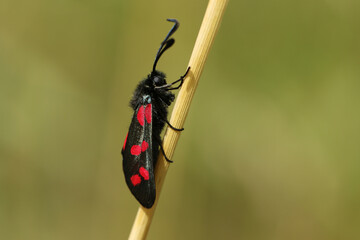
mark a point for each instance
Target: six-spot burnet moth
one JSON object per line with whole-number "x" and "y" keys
{"x": 150, "y": 101}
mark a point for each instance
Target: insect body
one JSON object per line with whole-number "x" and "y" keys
{"x": 150, "y": 101}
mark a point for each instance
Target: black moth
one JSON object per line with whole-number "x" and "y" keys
{"x": 150, "y": 102}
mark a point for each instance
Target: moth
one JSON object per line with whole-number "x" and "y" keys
{"x": 150, "y": 101}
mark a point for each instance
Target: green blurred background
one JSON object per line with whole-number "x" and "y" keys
{"x": 271, "y": 143}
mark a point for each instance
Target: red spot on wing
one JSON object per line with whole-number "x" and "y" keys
{"x": 144, "y": 146}
{"x": 140, "y": 115}
{"x": 125, "y": 141}
{"x": 135, "y": 179}
{"x": 144, "y": 173}
{"x": 135, "y": 150}
{"x": 148, "y": 112}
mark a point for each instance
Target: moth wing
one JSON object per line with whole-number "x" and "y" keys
{"x": 138, "y": 157}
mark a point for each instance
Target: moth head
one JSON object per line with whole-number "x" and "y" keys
{"x": 158, "y": 79}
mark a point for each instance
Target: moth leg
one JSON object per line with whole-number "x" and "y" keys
{"x": 181, "y": 80}
{"x": 166, "y": 158}
{"x": 162, "y": 150}
{"x": 172, "y": 127}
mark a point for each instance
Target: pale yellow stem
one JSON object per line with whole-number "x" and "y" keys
{"x": 208, "y": 30}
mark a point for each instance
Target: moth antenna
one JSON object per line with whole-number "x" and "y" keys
{"x": 167, "y": 43}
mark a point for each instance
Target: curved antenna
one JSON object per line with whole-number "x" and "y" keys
{"x": 166, "y": 43}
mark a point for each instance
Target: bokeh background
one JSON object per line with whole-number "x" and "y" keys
{"x": 271, "y": 144}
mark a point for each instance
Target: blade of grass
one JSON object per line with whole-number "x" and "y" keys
{"x": 204, "y": 41}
